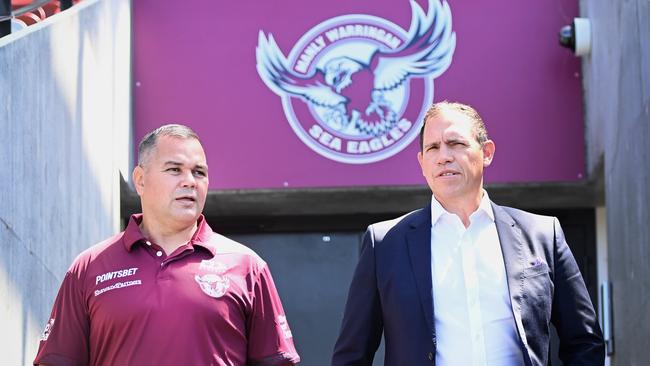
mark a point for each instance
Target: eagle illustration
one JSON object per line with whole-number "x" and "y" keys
{"x": 352, "y": 91}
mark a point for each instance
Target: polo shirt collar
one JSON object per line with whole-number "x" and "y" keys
{"x": 133, "y": 234}
{"x": 437, "y": 210}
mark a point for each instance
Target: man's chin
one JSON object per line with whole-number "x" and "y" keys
{"x": 445, "y": 192}
{"x": 187, "y": 217}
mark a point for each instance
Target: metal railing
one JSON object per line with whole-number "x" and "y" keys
{"x": 6, "y": 14}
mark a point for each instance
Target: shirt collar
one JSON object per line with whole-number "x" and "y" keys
{"x": 133, "y": 234}
{"x": 486, "y": 205}
{"x": 437, "y": 210}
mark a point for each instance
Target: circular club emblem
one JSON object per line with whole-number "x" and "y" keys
{"x": 354, "y": 87}
{"x": 213, "y": 285}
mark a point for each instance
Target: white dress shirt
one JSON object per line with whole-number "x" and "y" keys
{"x": 473, "y": 317}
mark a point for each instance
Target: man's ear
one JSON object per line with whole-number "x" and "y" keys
{"x": 420, "y": 160}
{"x": 138, "y": 179}
{"x": 488, "y": 152}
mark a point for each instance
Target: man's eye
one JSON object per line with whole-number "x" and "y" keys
{"x": 199, "y": 173}
{"x": 174, "y": 170}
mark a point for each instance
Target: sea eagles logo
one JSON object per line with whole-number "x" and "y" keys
{"x": 212, "y": 284}
{"x": 354, "y": 86}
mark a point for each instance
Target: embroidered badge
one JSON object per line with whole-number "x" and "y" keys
{"x": 212, "y": 284}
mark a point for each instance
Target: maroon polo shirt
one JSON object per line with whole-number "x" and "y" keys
{"x": 210, "y": 302}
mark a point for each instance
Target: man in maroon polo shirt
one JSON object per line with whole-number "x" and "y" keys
{"x": 168, "y": 290}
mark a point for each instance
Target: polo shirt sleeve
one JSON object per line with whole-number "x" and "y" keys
{"x": 270, "y": 342}
{"x": 64, "y": 341}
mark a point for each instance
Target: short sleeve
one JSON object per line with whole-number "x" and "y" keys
{"x": 64, "y": 341}
{"x": 270, "y": 342}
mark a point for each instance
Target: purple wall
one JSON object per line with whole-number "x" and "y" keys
{"x": 200, "y": 70}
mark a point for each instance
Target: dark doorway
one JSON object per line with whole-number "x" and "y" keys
{"x": 579, "y": 227}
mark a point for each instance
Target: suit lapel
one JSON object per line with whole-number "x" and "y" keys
{"x": 511, "y": 240}
{"x": 419, "y": 245}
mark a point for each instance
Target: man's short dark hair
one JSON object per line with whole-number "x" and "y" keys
{"x": 469, "y": 111}
{"x": 148, "y": 142}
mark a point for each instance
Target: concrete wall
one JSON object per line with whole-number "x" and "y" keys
{"x": 617, "y": 100}
{"x": 64, "y": 136}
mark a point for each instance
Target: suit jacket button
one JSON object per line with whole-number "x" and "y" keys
{"x": 430, "y": 355}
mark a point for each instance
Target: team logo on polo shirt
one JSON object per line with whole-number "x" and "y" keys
{"x": 353, "y": 86}
{"x": 213, "y": 284}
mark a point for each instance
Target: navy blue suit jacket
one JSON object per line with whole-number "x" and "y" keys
{"x": 391, "y": 292}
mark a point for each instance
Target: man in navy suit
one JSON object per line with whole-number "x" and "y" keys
{"x": 465, "y": 282}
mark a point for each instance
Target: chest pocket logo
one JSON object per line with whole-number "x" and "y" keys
{"x": 212, "y": 284}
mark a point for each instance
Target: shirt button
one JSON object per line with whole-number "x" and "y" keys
{"x": 430, "y": 355}
{"x": 159, "y": 253}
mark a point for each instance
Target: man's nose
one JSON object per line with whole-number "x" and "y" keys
{"x": 188, "y": 179}
{"x": 444, "y": 155}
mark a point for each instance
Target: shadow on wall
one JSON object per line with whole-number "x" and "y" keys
{"x": 59, "y": 143}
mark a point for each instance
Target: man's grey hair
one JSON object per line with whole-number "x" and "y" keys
{"x": 479, "y": 126}
{"x": 148, "y": 142}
